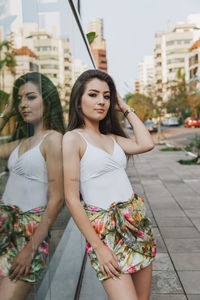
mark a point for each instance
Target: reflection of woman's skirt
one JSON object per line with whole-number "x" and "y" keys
{"x": 16, "y": 228}
{"x": 126, "y": 229}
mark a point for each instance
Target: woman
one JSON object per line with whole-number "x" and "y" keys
{"x": 113, "y": 220}
{"x": 33, "y": 194}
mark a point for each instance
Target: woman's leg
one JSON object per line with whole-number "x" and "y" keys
{"x": 120, "y": 289}
{"x": 10, "y": 290}
{"x": 142, "y": 282}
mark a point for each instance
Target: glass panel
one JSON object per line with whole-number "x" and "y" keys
{"x": 43, "y": 37}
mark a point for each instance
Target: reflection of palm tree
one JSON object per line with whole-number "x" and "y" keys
{"x": 7, "y": 62}
{"x": 7, "y": 59}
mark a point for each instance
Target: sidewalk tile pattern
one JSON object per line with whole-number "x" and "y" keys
{"x": 172, "y": 196}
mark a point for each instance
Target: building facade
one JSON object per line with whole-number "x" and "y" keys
{"x": 146, "y": 75}
{"x": 170, "y": 53}
{"x": 98, "y": 46}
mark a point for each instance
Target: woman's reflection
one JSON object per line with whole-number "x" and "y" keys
{"x": 33, "y": 195}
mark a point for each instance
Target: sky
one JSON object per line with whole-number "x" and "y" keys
{"x": 129, "y": 29}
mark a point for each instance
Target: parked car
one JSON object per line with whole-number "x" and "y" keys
{"x": 150, "y": 125}
{"x": 192, "y": 122}
{"x": 172, "y": 121}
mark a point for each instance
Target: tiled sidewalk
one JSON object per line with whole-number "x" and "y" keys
{"x": 172, "y": 194}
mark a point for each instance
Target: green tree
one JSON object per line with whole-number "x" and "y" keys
{"x": 194, "y": 97}
{"x": 7, "y": 60}
{"x": 142, "y": 105}
{"x": 178, "y": 101}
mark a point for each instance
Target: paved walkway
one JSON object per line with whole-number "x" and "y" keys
{"x": 172, "y": 197}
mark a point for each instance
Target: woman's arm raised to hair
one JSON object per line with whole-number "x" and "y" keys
{"x": 143, "y": 140}
{"x": 71, "y": 162}
{"x": 7, "y": 148}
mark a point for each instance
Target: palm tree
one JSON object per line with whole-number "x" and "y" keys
{"x": 7, "y": 60}
{"x": 7, "y": 63}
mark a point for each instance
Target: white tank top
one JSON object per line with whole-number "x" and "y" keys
{"x": 27, "y": 185}
{"x": 103, "y": 179}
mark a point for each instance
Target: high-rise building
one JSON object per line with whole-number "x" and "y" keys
{"x": 54, "y": 55}
{"x": 98, "y": 46}
{"x": 97, "y": 27}
{"x": 194, "y": 61}
{"x": 26, "y": 61}
{"x": 137, "y": 86}
{"x": 146, "y": 75}
{"x": 171, "y": 50}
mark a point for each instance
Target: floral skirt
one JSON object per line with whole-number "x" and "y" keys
{"x": 16, "y": 229}
{"x": 126, "y": 229}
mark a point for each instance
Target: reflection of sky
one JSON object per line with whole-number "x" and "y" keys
{"x": 57, "y": 13}
{"x": 5, "y": 23}
{"x": 49, "y": 14}
{"x": 53, "y": 13}
{"x": 5, "y": 19}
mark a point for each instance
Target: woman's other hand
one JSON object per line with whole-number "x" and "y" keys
{"x": 108, "y": 262}
{"x": 21, "y": 263}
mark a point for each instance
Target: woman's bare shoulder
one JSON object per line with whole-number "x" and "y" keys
{"x": 52, "y": 136}
{"x": 72, "y": 138}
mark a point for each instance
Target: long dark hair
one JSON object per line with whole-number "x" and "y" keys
{"x": 111, "y": 123}
{"x": 53, "y": 116}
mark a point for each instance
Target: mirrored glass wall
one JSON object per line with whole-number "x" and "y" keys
{"x": 41, "y": 37}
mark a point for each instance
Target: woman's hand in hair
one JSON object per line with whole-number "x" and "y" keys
{"x": 121, "y": 104}
{"x": 108, "y": 262}
{"x": 9, "y": 110}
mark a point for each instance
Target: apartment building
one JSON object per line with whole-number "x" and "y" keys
{"x": 98, "y": 46}
{"x": 146, "y": 75}
{"x": 137, "y": 85}
{"x": 193, "y": 61}
{"x": 171, "y": 50}
{"x": 26, "y": 61}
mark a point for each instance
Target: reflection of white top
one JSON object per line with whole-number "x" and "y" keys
{"x": 27, "y": 185}
{"x": 103, "y": 179}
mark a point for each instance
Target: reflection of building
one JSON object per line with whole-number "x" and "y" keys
{"x": 47, "y": 49}
{"x": 26, "y": 61}
{"x": 54, "y": 58}
{"x": 54, "y": 55}
{"x": 146, "y": 75}
{"x": 98, "y": 46}
{"x": 77, "y": 68}
{"x": 171, "y": 50}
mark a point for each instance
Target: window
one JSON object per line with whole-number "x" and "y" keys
{"x": 175, "y": 60}
{"x": 178, "y": 42}
{"x": 49, "y": 66}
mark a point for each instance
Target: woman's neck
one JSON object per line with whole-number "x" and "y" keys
{"x": 38, "y": 129}
{"x": 92, "y": 127}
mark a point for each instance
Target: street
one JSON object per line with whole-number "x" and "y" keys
{"x": 179, "y": 136}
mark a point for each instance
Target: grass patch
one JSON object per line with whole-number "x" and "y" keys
{"x": 189, "y": 161}
{"x": 173, "y": 148}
